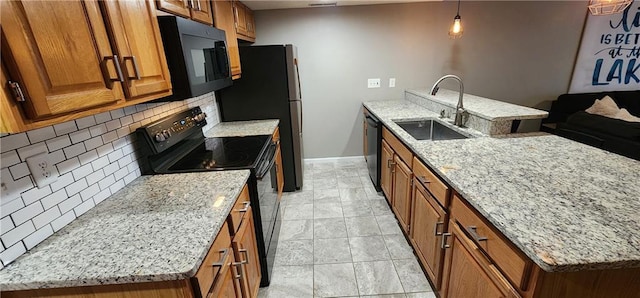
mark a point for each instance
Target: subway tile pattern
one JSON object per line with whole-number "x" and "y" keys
{"x": 95, "y": 156}
{"x": 343, "y": 240}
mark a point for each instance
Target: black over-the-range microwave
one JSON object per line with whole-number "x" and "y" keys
{"x": 196, "y": 55}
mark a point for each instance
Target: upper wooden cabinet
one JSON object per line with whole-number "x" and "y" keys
{"x": 224, "y": 17}
{"x": 197, "y": 10}
{"x": 244, "y": 22}
{"x": 136, "y": 39}
{"x": 79, "y": 59}
{"x": 59, "y": 55}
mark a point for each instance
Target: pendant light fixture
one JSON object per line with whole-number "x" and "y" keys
{"x": 456, "y": 28}
{"x": 606, "y": 7}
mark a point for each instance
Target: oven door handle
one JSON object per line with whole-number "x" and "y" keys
{"x": 262, "y": 171}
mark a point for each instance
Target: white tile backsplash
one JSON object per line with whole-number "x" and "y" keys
{"x": 96, "y": 156}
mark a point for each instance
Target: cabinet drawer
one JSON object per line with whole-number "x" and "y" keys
{"x": 206, "y": 274}
{"x": 239, "y": 209}
{"x": 397, "y": 146}
{"x": 508, "y": 258}
{"x": 431, "y": 182}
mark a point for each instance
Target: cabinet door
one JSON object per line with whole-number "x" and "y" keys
{"x": 386, "y": 158}
{"x": 279, "y": 172}
{"x": 246, "y": 252}
{"x": 468, "y": 273}
{"x": 201, "y": 12}
{"x": 136, "y": 39}
{"x": 427, "y": 225}
{"x": 60, "y": 55}
{"x": 227, "y": 283}
{"x": 364, "y": 136}
{"x": 402, "y": 192}
{"x": 240, "y": 18}
{"x": 251, "y": 24}
{"x": 224, "y": 18}
{"x": 177, "y": 7}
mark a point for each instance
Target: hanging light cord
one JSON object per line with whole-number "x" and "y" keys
{"x": 458, "y": 13}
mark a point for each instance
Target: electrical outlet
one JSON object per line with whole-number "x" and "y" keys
{"x": 6, "y": 187}
{"x": 42, "y": 169}
{"x": 392, "y": 82}
{"x": 373, "y": 83}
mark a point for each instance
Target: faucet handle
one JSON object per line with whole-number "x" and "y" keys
{"x": 442, "y": 114}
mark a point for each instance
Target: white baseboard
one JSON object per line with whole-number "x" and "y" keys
{"x": 332, "y": 159}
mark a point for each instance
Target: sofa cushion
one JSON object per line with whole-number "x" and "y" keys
{"x": 605, "y": 107}
{"x": 606, "y": 125}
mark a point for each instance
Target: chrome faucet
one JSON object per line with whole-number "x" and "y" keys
{"x": 460, "y": 111}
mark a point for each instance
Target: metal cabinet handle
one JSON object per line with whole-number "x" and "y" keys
{"x": 246, "y": 255}
{"x": 444, "y": 244}
{"x": 423, "y": 179}
{"x": 246, "y": 207}
{"x": 238, "y": 267}
{"x": 198, "y": 7}
{"x": 435, "y": 228}
{"x": 116, "y": 64}
{"x": 190, "y": 3}
{"x": 390, "y": 163}
{"x": 136, "y": 71}
{"x": 18, "y": 95}
{"x": 225, "y": 253}
{"x": 472, "y": 230}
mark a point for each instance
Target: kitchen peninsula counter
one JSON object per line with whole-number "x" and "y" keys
{"x": 566, "y": 205}
{"x": 157, "y": 228}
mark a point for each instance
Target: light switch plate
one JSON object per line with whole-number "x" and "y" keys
{"x": 392, "y": 82}
{"x": 42, "y": 169}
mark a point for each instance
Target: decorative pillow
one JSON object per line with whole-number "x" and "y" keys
{"x": 623, "y": 114}
{"x": 605, "y": 107}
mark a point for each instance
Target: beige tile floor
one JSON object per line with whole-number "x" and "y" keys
{"x": 339, "y": 238}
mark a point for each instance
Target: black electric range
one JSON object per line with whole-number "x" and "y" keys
{"x": 176, "y": 144}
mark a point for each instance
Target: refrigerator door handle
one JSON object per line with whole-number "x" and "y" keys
{"x": 295, "y": 62}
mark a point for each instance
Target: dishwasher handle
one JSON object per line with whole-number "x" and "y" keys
{"x": 372, "y": 122}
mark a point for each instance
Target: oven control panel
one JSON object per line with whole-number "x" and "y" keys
{"x": 166, "y": 132}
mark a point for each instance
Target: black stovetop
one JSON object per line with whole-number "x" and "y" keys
{"x": 226, "y": 153}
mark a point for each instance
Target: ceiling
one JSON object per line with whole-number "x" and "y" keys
{"x": 268, "y": 4}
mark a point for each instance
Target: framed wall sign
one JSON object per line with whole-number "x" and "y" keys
{"x": 609, "y": 56}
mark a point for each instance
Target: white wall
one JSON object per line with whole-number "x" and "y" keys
{"x": 95, "y": 157}
{"x": 516, "y": 51}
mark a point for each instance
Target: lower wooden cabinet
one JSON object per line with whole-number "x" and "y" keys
{"x": 428, "y": 223}
{"x": 402, "y": 192}
{"x": 386, "y": 160}
{"x": 278, "y": 163}
{"x": 245, "y": 248}
{"x": 467, "y": 272}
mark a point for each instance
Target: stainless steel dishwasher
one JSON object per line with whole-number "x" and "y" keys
{"x": 374, "y": 142}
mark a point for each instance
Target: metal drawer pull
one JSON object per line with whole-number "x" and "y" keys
{"x": 246, "y": 207}
{"x": 225, "y": 253}
{"x": 435, "y": 228}
{"x": 238, "y": 273}
{"x": 136, "y": 71}
{"x": 423, "y": 179}
{"x": 474, "y": 234}
{"x": 444, "y": 244}
{"x": 246, "y": 255}
{"x": 198, "y": 7}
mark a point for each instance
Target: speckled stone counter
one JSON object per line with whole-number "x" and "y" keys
{"x": 156, "y": 228}
{"x": 243, "y": 128}
{"x": 566, "y": 205}
{"x": 486, "y": 115}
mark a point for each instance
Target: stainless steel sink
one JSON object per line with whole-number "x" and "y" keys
{"x": 429, "y": 130}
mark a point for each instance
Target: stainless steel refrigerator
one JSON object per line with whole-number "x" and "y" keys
{"x": 269, "y": 88}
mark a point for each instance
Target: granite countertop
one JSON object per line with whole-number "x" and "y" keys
{"x": 243, "y": 128}
{"x": 486, "y": 108}
{"x": 566, "y": 205}
{"x": 156, "y": 228}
